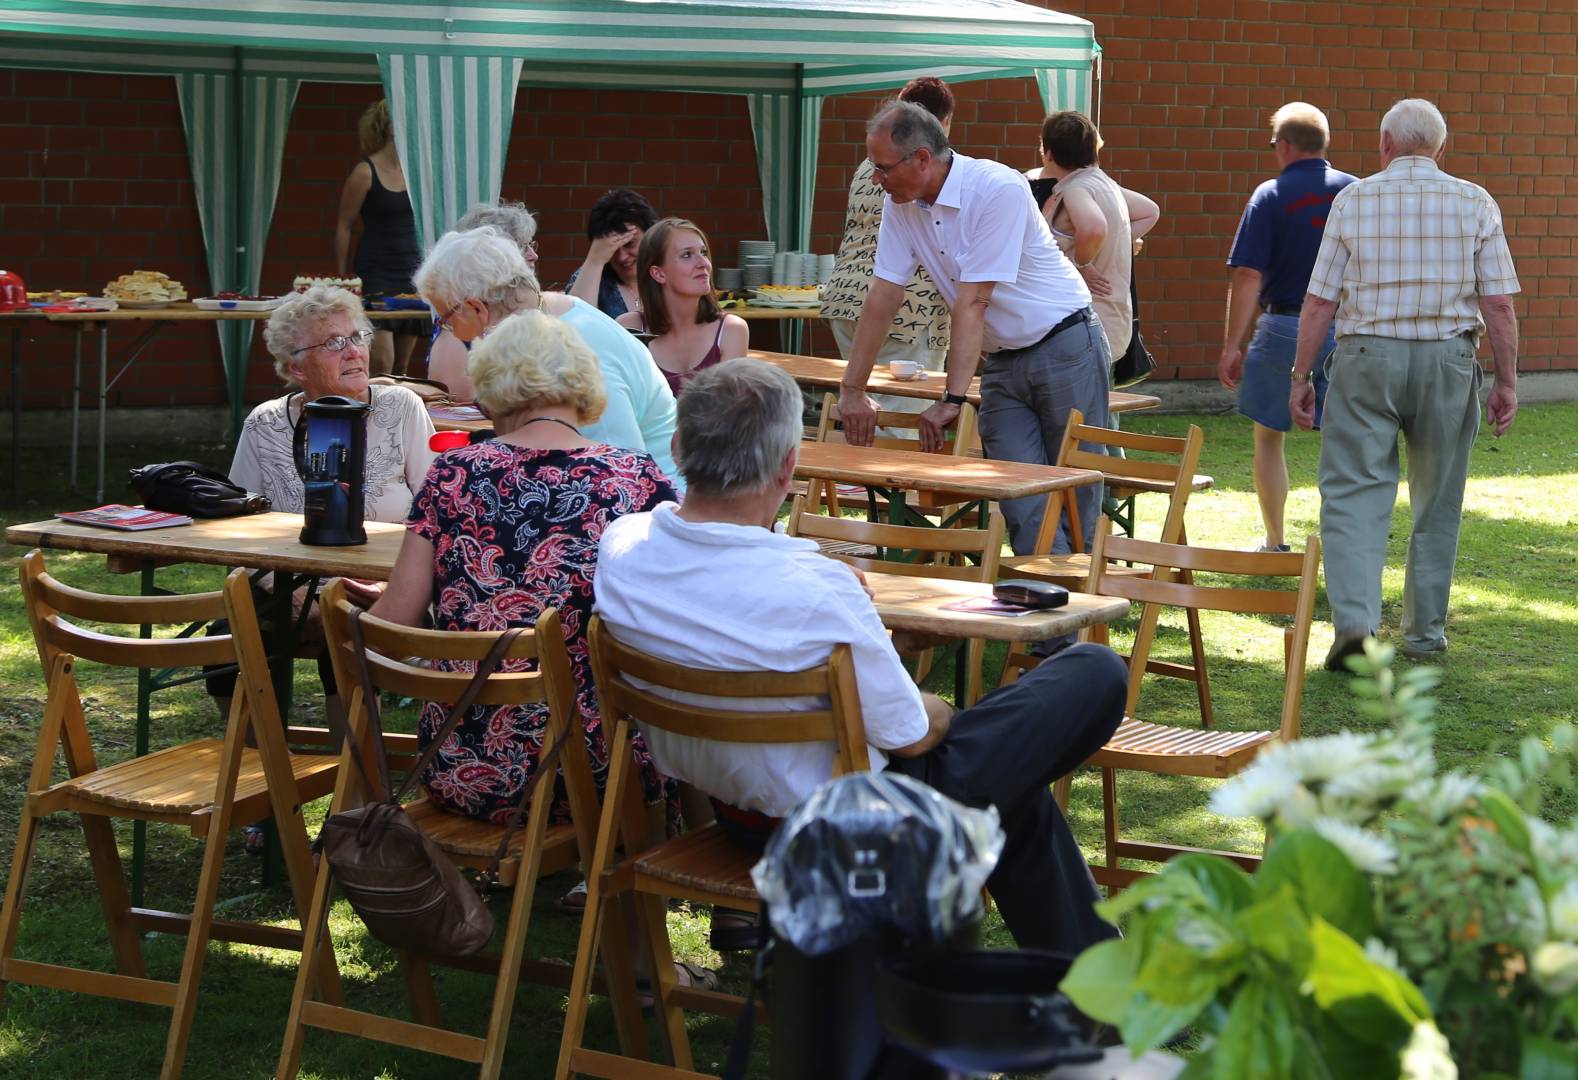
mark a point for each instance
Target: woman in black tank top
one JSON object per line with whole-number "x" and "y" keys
{"x": 387, "y": 254}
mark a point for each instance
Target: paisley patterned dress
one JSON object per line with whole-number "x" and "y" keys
{"x": 515, "y": 530}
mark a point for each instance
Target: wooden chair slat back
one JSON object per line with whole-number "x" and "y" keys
{"x": 128, "y": 610}
{"x": 1147, "y": 590}
{"x": 940, "y": 544}
{"x": 552, "y": 682}
{"x": 1179, "y": 473}
{"x": 391, "y": 650}
{"x": 911, "y": 537}
{"x": 1184, "y": 451}
{"x": 907, "y": 569}
{"x": 1156, "y": 591}
{"x": 834, "y": 718}
{"x": 49, "y": 603}
{"x": 1205, "y": 560}
{"x": 960, "y": 434}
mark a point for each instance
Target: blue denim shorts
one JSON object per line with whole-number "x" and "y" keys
{"x": 1268, "y": 365}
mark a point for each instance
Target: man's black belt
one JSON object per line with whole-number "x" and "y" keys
{"x": 1074, "y": 319}
{"x": 1282, "y": 309}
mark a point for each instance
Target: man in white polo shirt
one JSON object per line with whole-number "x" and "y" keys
{"x": 709, "y": 584}
{"x": 1013, "y": 295}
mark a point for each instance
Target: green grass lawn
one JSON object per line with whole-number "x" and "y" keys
{"x": 1514, "y": 634}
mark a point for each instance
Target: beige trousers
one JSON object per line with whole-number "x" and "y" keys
{"x": 1428, "y": 391}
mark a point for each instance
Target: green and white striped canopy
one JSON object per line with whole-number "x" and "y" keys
{"x": 450, "y": 72}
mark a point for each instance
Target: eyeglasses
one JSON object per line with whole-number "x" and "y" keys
{"x": 339, "y": 342}
{"x": 443, "y": 322}
{"x": 886, "y": 169}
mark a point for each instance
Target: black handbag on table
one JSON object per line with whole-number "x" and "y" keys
{"x": 186, "y": 487}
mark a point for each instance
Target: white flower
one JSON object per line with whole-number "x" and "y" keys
{"x": 1555, "y": 967}
{"x": 1373, "y": 781}
{"x": 1299, "y": 810}
{"x": 1526, "y": 911}
{"x": 1378, "y": 953}
{"x": 1556, "y": 849}
{"x": 1368, "y": 852}
{"x": 1564, "y": 913}
{"x": 1327, "y": 757}
{"x": 1258, "y": 792}
{"x": 1427, "y": 1055}
{"x": 1441, "y": 797}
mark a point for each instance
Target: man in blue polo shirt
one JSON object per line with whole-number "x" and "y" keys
{"x": 1272, "y": 257}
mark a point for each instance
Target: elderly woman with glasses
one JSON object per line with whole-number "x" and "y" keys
{"x": 475, "y": 280}
{"x": 319, "y": 341}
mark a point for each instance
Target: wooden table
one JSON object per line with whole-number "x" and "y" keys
{"x": 156, "y": 319}
{"x": 910, "y": 470}
{"x": 914, "y": 603}
{"x": 268, "y": 542}
{"x": 751, "y": 313}
{"x": 826, "y": 373}
{"x": 447, "y": 424}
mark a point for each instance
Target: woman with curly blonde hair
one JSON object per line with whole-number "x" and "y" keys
{"x": 508, "y": 527}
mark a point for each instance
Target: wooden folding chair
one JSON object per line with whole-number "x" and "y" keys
{"x": 703, "y": 865}
{"x": 1173, "y": 476}
{"x": 922, "y": 552}
{"x": 962, "y": 442}
{"x": 1179, "y": 751}
{"x": 395, "y": 659}
{"x": 209, "y": 786}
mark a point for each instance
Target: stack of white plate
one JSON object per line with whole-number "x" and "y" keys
{"x": 756, "y": 261}
{"x": 824, "y": 269}
{"x": 728, "y": 277}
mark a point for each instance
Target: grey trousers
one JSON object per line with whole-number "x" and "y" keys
{"x": 1026, "y": 395}
{"x": 1428, "y": 390}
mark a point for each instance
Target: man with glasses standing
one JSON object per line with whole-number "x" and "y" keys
{"x": 1272, "y": 257}
{"x": 1012, "y": 295}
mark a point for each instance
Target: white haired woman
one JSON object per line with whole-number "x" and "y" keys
{"x": 557, "y": 490}
{"x": 319, "y": 340}
{"x": 474, "y": 280}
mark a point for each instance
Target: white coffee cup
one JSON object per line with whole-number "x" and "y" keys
{"x": 904, "y": 370}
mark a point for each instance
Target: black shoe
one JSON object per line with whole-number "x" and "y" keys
{"x": 1343, "y": 648}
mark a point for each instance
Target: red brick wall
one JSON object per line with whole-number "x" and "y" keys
{"x": 94, "y": 177}
{"x": 1189, "y": 86}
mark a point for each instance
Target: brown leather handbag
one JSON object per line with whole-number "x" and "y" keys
{"x": 407, "y": 891}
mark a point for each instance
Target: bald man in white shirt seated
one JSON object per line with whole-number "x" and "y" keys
{"x": 709, "y": 584}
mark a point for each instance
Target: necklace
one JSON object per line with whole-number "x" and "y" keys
{"x": 551, "y": 420}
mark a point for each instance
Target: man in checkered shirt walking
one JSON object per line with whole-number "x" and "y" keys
{"x": 1414, "y": 266}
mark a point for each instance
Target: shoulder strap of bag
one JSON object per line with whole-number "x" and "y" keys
{"x": 547, "y": 765}
{"x": 485, "y": 668}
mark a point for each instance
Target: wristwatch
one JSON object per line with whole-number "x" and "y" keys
{"x": 955, "y": 399}
{"x": 1300, "y": 376}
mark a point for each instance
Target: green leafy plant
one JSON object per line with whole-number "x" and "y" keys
{"x": 1464, "y": 898}
{"x": 1267, "y": 969}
